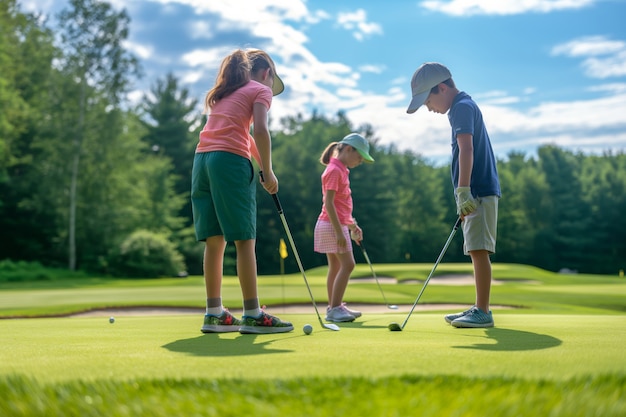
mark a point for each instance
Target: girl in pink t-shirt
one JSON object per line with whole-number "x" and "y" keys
{"x": 335, "y": 225}
{"x": 223, "y": 186}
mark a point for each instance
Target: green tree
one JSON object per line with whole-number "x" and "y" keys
{"x": 92, "y": 36}
{"x": 419, "y": 206}
{"x": 14, "y": 27}
{"x": 26, "y": 53}
{"x": 170, "y": 119}
{"x": 521, "y": 208}
{"x": 604, "y": 191}
{"x": 567, "y": 217}
{"x": 170, "y": 116}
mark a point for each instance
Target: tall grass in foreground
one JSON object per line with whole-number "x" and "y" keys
{"x": 398, "y": 396}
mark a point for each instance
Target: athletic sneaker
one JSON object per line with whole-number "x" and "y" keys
{"x": 475, "y": 318}
{"x": 224, "y": 323}
{"x": 355, "y": 313}
{"x": 264, "y": 324}
{"x": 339, "y": 314}
{"x": 451, "y": 317}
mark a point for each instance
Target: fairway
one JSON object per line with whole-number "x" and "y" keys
{"x": 528, "y": 347}
{"x": 557, "y": 349}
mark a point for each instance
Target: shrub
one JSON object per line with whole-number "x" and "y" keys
{"x": 145, "y": 254}
{"x": 22, "y": 271}
{"x": 191, "y": 249}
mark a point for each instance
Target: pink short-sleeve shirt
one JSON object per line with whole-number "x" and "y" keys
{"x": 228, "y": 126}
{"x": 336, "y": 177}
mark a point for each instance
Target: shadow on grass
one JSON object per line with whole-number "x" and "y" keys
{"x": 513, "y": 340}
{"x": 360, "y": 325}
{"x": 212, "y": 345}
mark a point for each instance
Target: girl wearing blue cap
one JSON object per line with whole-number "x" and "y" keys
{"x": 335, "y": 225}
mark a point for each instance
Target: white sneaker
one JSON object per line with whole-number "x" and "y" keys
{"x": 355, "y": 313}
{"x": 451, "y": 317}
{"x": 339, "y": 314}
{"x": 475, "y": 318}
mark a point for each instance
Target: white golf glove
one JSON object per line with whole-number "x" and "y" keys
{"x": 465, "y": 202}
{"x": 356, "y": 234}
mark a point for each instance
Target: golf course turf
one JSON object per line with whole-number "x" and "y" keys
{"x": 556, "y": 350}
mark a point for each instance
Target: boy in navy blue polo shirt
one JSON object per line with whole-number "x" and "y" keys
{"x": 474, "y": 177}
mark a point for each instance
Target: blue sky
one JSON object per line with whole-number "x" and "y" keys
{"x": 542, "y": 71}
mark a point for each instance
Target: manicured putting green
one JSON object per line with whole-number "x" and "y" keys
{"x": 530, "y": 347}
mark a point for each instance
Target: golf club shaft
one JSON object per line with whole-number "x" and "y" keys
{"x": 367, "y": 258}
{"x": 443, "y": 252}
{"x": 295, "y": 253}
{"x": 281, "y": 214}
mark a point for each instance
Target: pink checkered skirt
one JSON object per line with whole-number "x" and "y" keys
{"x": 325, "y": 240}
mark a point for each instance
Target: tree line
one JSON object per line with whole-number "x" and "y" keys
{"x": 85, "y": 174}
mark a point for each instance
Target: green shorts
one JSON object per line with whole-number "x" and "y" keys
{"x": 223, "y": 196}
{"x": 480, "y": 227}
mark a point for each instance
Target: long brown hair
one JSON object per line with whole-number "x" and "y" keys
{"x": 235, "y": 72}
{"x": 330, "y": 151}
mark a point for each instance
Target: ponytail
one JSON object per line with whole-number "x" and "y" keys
{"x": 328, "y": 153}
{"x": 233, "y": 74}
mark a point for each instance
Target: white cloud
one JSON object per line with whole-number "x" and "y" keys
{"x": 375, "y": 69}
{"x": 209, "y": 58}
{"x": 192, "y": 77}
{"x": 602, "y": 57}
{"x": 328, "y": 87}
{"x": 589, "y": 46}
{"x": 567, "y": 124}
{"x": 201, "y": 29}
{"x": 611, "y": 66}
{"x": 501, "y": 7}
{"x": 142, "y": 51}
{"x": 357, "y": 23}
{"x": 615, "y": 88}
{"x": 496, "y": 98}
{"x": 36, "y": 5}
{"x": 249, "y": 11}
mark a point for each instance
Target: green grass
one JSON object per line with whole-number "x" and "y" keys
{"x": 531, "y": 289}
{"x": 395, "y": 396}
{"x": 560, "y": 353}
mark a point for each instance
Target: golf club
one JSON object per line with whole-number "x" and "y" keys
{"x": 367, "y": 258}
{"x": 279, "y": 208}
{"x": 395, "y": 327}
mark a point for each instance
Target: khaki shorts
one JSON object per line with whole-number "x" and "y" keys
{"x": 480, "y": 227}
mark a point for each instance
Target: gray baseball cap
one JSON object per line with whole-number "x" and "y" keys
{"x": 425, "y": 78}
{"x": 359, "y": 143}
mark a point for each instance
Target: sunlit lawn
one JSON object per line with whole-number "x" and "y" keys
{"x": 557, "y": 349}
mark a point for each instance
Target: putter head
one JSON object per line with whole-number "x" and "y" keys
{"x": 394, "y": 327}
{"x": 393, "y": 307}
{"x": 331, "y": 326}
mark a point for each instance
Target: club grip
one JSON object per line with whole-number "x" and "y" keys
{"x": 277, "y": 202}
{"x": 279, "y": 207}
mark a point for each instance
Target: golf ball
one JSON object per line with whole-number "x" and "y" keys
{"x": 307, "y": 329}
{"x": 111, "y": 319}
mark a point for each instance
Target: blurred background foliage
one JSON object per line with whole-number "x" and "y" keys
{"x": 89, "y": 180}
